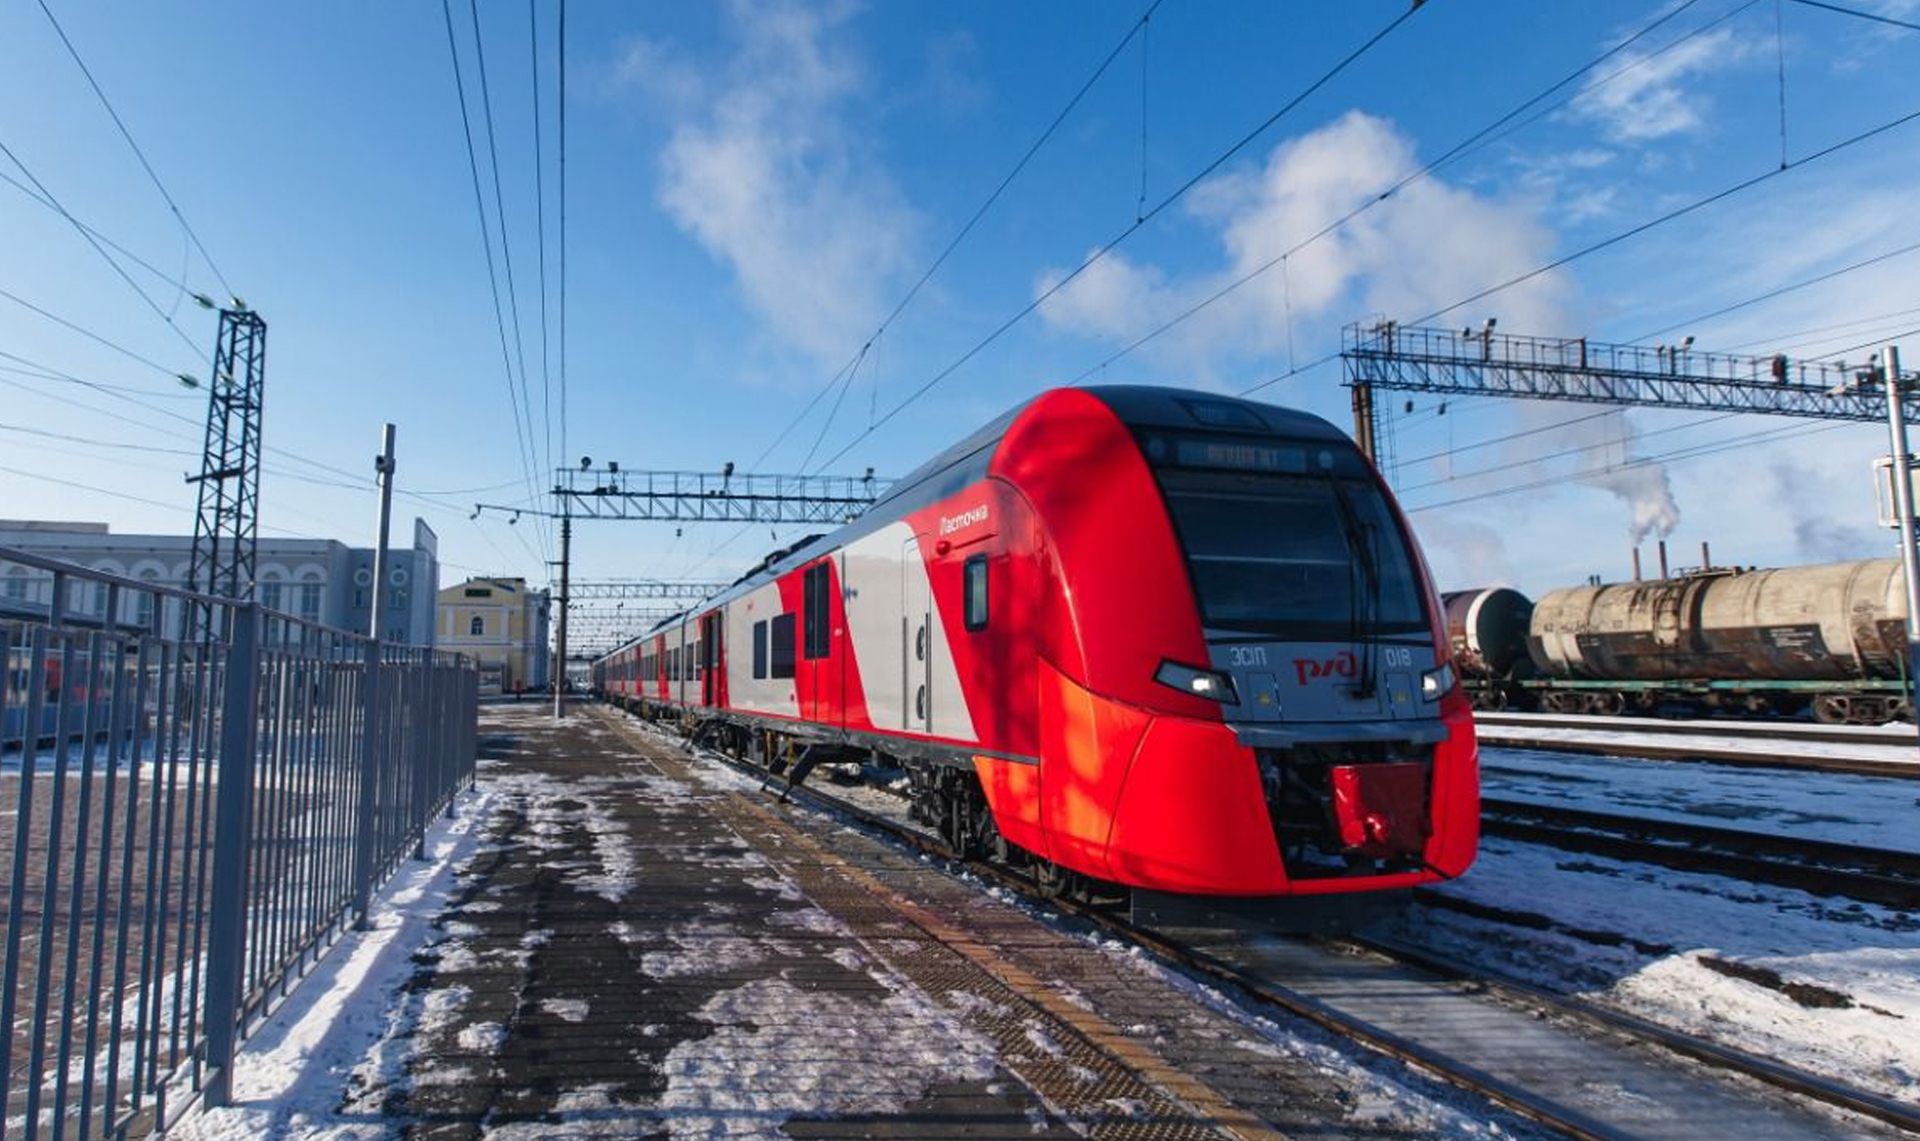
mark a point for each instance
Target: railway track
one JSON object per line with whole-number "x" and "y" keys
{"x": 1862, "y": 751}
{"x": 1448, "y": 1012}
{"x": 1819, "y": 867}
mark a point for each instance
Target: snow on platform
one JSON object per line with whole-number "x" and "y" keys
{"x": 627, "y": 943}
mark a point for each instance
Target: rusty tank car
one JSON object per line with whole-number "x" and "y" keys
{"x": 1828, "y": 639}
{"x": 1488, "y": 629}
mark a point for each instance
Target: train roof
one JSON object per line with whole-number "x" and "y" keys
{"x": 967, "y": 462}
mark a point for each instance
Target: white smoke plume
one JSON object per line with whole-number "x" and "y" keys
{"x": 1601, "y": 450}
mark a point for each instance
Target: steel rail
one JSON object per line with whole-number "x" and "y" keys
{"x": 1279, "y": 996}
{"x": 1820, "y": 867}
{"x": 1760, "y": 731}
{"x": 1739, "y": 754}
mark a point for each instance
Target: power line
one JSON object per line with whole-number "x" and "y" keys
{"x": 1485, "y": 136}
{"x": 40, "y": 197}
{"x": 138, "y": 153}
{"x": 110, "y": 444}
{"x": 1094, "y": 258}
{"x": 486, "y": 242}
{"x": 1671, "y": 215}
{"x": 561, "y": 79}
{"x": 540, "y": 219}
{"x": 87, "y": 235}
{"x": 1676, "y": 456}
{"x": 1563, "y": 453}
{"x": 1858, "y": 14}
{"x": 980, "y": 212}
{"x": 506, "y": 243}
{"x": 1877, "y": 341}
{"x": 1773, "y": 293}
{"x": 95, "y": 337}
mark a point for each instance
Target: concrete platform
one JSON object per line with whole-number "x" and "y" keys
{"x": 644, "y": 945}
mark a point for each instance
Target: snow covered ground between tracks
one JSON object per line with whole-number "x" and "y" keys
{"x": 1828, "y": 985}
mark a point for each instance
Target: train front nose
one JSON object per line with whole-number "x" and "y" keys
{"x": 1336, "y": 766}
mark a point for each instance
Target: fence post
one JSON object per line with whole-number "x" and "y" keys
{"x": 371, "y": 738}
{"x": 418, "y": 754}
{"x": 227, "y": 935}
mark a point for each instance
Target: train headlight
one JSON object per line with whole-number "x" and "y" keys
{"x": 1210, "y": 684}
{"x": 1437, "y": 683}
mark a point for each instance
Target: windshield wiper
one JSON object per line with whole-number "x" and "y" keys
{"x": 1360, "y": 544}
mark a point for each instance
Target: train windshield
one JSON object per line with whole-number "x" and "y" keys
{"x": 1291, "y": 540}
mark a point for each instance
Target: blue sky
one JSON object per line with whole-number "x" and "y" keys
{"x": 753, "y": 187}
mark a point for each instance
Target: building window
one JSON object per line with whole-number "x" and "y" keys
{"x": 975, "y": 576}
{"x": 760, "y": 649}
{"x": 477, "y": 628}
{"x": 143, "y": 602}
{"x": 17, "y": 583}
{"x": 310, "y": 596}
{"x": 781, "y": 654}
{"x": 272, "y": 594}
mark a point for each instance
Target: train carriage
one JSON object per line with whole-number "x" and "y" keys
{"x": 1135, "y": 636}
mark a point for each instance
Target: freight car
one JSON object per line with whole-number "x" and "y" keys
{"x": 1132, "y": 637}
{"x": 1829, "y": 640}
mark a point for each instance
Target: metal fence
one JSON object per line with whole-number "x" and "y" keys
{"x": 203, "y": 794}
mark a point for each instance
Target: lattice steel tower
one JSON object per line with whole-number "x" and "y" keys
{"x": 226, "y": 529}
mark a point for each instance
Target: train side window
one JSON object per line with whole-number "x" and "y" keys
{"x": 974, "y": 574}
{"x": 760, "y": 649}
{"x": 780, "y": 654}
{"x": 813, "y": 612}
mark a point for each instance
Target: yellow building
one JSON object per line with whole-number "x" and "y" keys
{"x": 503, "y": 625}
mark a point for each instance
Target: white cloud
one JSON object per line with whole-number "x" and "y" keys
{"x": 763, "y": 168}
{"x": 1650, "y": 95}
{"x": 1428, "y": 247}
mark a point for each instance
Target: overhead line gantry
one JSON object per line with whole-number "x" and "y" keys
{"x": 1481, "y": 362}
{"x": 726, "y": 496}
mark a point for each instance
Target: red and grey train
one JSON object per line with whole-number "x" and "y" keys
{"x": 1135, "y": 636}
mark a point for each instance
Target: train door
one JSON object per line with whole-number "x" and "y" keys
{"x": 710, "y": 660}
{"x": 815, "y": 640}
{"x": 916, "y": 640}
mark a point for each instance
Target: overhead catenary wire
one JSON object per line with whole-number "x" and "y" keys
{"x": 137, "y": 152}
{"x": 520, "y": 428}
{"x": 1874, "y": 17}
{"x": 171, "y": 374}
{"x": 1485, "y": 136}
{"x": 540, "y": 223}
{"x": 118, "y": 269}
{"x": 972, "y": 221}
{"x": 1108, "y": 247}
{"x": 166, "y": 277}
{"x": 561, "y": 80}
{"x": 1677, "y": 456}
{"x": 1672, "y": 215}
{"x": 506, "y": 243}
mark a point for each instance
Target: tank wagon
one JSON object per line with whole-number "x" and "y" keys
{"x": 1827, "y": 639}
{"x": 1128, "y": 636}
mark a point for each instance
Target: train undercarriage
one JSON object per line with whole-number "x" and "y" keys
{"x": 947, "y": 798}
{"x": 1875, "y": 703}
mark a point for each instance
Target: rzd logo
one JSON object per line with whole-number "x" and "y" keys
{"x": 1339, "y": 665}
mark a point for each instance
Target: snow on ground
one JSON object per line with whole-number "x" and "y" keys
{"x": 290, "y": 1073}
{"x": 1900, "y": 746}
{"x": 764, "y": 1064}
{"x": 1831, "y": 986}
{"x": 1840, "y": 807}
